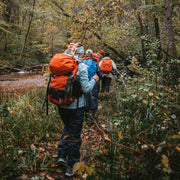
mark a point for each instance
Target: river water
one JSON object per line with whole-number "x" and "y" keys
{"x": 19, "y": 83}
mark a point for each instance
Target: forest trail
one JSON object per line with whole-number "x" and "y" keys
{"x": 92, "y": 139}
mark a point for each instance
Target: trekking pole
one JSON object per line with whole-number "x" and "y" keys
{"x": 121, "y": 76}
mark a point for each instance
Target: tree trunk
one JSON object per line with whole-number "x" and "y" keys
{"x": 143, "y": 3}
{"x": 142, "y": 40}
{"x": 169, "y": 30}
{"x": 6, "y": 39}
{"x": 8, "y": 20}
{"x": 27, "y": 33}
{"x": 157, "y": 31}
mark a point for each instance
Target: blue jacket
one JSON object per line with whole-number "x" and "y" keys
{"x": 92, "y": 97}
{"x": 87, "y": 86}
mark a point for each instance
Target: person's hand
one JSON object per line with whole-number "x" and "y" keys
{"x": 96, "y": 77}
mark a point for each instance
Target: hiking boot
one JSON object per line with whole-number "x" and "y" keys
{"x": 62, "y": 160}
{"x": 69, "y": 172}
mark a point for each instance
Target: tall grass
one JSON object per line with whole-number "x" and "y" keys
{"x": 25, "y": 132}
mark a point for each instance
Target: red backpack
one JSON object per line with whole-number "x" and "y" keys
{"x": 106, "y": 66}
{"x": 63, "y": 87}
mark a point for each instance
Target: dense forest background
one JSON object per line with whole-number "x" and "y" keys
{"x": 32, "y": 32}
{"x": 138, "y": 132}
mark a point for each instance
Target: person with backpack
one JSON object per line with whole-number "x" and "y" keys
{"x": 71, "y": 110}
{"x": 98, "y": 56}
{"x": 107, "y": 65}
{"x": 91, "y": 97}
{"x": 133, "y": 65}
{"x": 127, "y": 61}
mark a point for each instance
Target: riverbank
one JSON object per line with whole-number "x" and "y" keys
{"x": 16, "y": 84}
{"x": 4, "y": 70}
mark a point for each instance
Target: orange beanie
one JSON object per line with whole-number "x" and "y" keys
{"x": 101, "y": 52}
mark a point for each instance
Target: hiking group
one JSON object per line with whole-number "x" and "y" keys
{"x": 74, "y": 86}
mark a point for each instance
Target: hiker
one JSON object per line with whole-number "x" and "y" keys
{"x": 133, "y": 65}
{"x": 72, "y": 115}
{"x": 91, "y": 97}
{"x": 98, "y": 56}
{"x": 107, "y": 65}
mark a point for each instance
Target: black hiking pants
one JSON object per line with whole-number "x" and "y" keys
{"x": 70, "y": 142}
{"x": 105, "y": 84}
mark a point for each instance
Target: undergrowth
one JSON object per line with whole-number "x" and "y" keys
{"x": 137, "y": 135}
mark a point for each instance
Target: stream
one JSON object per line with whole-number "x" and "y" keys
{"x": 18, "y": 83}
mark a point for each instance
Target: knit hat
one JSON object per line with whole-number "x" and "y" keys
{"x": 80, "y": 50}
{"x": 89, "y": 51}
{"x": 101, "y": 52}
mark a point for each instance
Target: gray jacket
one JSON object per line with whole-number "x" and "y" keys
{"x": 110, "y": 75}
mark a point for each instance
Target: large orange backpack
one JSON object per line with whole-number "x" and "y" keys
{"x": 106, "y": 66}
{"x": 63, "y": 87}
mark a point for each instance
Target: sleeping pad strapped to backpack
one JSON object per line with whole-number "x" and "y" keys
{"x": 63, "y": 87}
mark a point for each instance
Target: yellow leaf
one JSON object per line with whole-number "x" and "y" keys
{"x": 120, "y": 135}
{"x": 88, "y": 169}
{"x": 152, "y": 146}
{"x": 165, "y": 161}
{"x": 65, "y": 136}
{"x": 79, "y": 166}
{"x": 76, "y": 167}
{"x": 49, "y": 176}
{"x": 94, "y": 148}
{"x": 104, "y": 152}
{"x": 178, "y": 147}
{"x": 103, "y": 125}
{"x": 106, "y": 137}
